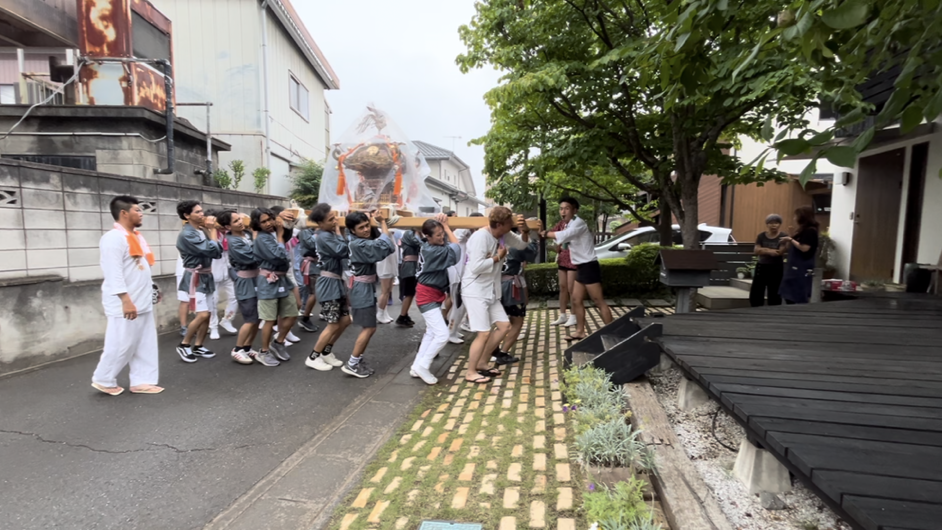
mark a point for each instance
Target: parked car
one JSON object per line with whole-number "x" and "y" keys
{"x": 618, "y": 246}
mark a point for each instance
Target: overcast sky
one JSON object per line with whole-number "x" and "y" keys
{"x": 400, "y": 55}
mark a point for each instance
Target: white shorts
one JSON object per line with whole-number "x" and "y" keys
{"x": 202, "y": 300}
{"x": 483, "y": 314}
{"x": 389, "y": 267}
{"x": 183, "y": 296}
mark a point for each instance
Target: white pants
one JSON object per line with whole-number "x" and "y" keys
{"x": 458, "y": 314}
{"x": 482, "y": 314}
{"x": 129, "y": 342}
{"x": 232, "y": 305}
{"x": 436, "y": 336}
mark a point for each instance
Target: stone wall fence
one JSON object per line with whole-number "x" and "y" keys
{"x": 51, "y": 220}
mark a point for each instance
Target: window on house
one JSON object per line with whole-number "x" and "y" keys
{"x": 299, "y": 98}
{"x": 149, "y": 41}
{"x": 7, "y": 94}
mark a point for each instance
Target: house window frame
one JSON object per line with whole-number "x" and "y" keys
{"x": 291, "y": 103}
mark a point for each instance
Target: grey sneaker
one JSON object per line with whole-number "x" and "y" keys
{"x": 367, "y": 367}
{"x": 308, "y": 326}
{"x": 280, "y": 351}
{"x": 183, "y": 331}
{"x": 360, "y": 370}
{"x": 265, "y": 358}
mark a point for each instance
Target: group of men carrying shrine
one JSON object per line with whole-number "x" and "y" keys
{"x": 265, "y": 264}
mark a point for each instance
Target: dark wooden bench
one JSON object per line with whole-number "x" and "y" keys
{"x": 731, "y": 256}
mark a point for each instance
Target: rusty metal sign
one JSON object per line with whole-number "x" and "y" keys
{"x": 104, "y": 28}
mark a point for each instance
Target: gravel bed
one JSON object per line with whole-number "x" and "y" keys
{"x": 715, "y": 464}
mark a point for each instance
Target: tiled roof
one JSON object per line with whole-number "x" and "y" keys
{"x": 433, "y": 152}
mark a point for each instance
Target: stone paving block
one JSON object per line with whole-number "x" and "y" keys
{"x": 506, "y": 523}
{"x": 377, "y": 512}
{"x": 450, "y": 425}
{"x": 504, "y": 413}
{"x": 561, "y": 452}
{"x": 558, "y": 418}
{"x": 442, "y": 437}
{"x": 492, "y": 464}
{"x": 417, "y": 425}
{"x": 564, "y": 500}
{"x": 507, "y": 403}
{"x": 461, "y": 498}
{"x": 565, "y": 524}
{"x": 539, "y": 442}
{"x": 440, "y": 487}
{"x": 405, "y": 439}
{"x": 443, "y": 407}
{"x": 425, "y": 414}
{"x": 427, "y": 431}
{"x": 539, "y": 392}
{"x": 540, "y": 426}
{"x": 456, "y": 445}
{"x": 468, "y": 418}
{"x": 435, "y": 452}
{"x": 539, "y": 462}
{"x": 562, "y": 473}
{"x": 362, "y": 498}
{"x": 480, "y": 437}
{"x": 407, "y": 463}
{"x": 539, "y": 485}
{"x": 495, "y": 441}
{"x": 394, "y": 456}
{"x": 487, "y": 484}
{"x": 474, "y": 452}
{"x": 521, "y": 408}
{"x": 437, "y": 418}
{"x": 537, "y": 514}
{"x": 411, "y": 497}
{"x": 420, "y": 476}
{"x": 403, "y": 521}
{"x": 539, "y": 413}
{"x": 379, "y": 475}
{"x": 513, "y": 472}
{"x": 511, "y": 498}
{"x": 559, "y": 433}
{"x": 392, "y": 485}
{"x": 419, "y": 446}
{"x": 347, "y": 521}
{"x": 517, "y": 451}
{"x": 449, "y": 458}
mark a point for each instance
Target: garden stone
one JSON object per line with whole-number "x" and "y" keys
{"x": 771, "y": 501}
{"x": 690, "y": 395}
{"x": 760, "y": 471}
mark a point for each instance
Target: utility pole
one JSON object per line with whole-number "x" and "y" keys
{"x": 453, "y": 140}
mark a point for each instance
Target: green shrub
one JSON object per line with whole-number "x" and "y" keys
{"x": 642, "y": 266}
{"x": 619, "y": 278}
{"x": 610, "y": 444}
{"x": 619, "y": 508}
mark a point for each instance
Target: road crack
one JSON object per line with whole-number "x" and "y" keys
{"x": 154, "y": 446}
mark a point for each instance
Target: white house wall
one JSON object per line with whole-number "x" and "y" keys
{"x": 844, "y": 199}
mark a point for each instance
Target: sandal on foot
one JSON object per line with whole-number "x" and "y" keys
{"x": 490, "y": 372}
{"x": 570, "y": 338}
{"x": 479, "y": 381}
{"x": 111, "y": 391}
{"x": 148, "y": 389}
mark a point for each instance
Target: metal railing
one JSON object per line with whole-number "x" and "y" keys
{"x": 38, "y": 90}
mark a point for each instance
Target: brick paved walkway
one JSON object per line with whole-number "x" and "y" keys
{"x": 496, "y": 454}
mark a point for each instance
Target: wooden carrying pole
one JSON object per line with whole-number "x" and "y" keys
{"x": 409, "y": 223}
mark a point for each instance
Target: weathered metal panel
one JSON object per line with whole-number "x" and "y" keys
{"x": 54, "y": 18}
{"x": 152, "y": 15}
{"x": 104, "y": 28}
{"x": 106, "y": 84}
{"x": 150, "y": 89}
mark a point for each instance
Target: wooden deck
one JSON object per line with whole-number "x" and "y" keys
{"x": 848, "y": 395}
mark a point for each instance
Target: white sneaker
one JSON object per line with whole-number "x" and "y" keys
{"x": 331, "y": 360}
{"x": 571, "y": 322}
{"x": 455, "y": 340}
{"x": 292, "y": 337}
{"x": 227, "y": 325}
{"x": 214, "y": 334}
{"x": 261, "y": 324}
{"x": 318, "y": 364}
{"x": 424, "y": 375}
{"x": 563, "y": 318}
{"x": 383, "y": 317}
{"x": 241, "y": 357}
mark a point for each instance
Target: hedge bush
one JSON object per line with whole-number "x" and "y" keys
{"x": 635, "y": 275}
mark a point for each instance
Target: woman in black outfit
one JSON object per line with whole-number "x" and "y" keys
{"x": 802, "y": 250}
{"x": 768, "y": 274}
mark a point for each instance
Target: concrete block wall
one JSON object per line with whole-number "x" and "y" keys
{"x": 51, "y": 220}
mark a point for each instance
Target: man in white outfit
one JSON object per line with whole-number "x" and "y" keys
{"x": 481, "y": 287}
{"x": 459, "y": 313}
{"x": 127, "y": 296}
{"x": 224, "y": 286}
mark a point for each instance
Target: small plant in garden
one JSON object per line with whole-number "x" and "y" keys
{"x": 613, "y": 443}
{"x": 238, "y": 172}
{"x": 619, "y": 508}
{"x": 261, "y": 178}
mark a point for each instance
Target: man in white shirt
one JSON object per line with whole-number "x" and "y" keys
{"x": 588, "y": 271}
{"x": 127, "y": 296}
{"x": 458, "y": 314}
{"x": 224, "y": 285}
{"x": 481, "y": 287}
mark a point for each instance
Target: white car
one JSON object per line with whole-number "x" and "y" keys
{"x": 618, "y": 246}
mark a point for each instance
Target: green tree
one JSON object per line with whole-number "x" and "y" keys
{"x": 260, "y": 178}
{"x": 238, "y": 172}
{"x": 307, "y": 183}
{"x": 845, "y": 42}
{"x": 656, "y": 90}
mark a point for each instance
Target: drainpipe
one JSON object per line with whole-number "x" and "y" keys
{"x": 209, "y": 133}
{"x": 266, "y": 109}
{"x": 168, "y": 85}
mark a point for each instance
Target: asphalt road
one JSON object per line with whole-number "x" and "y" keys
{"x": 71, "y": 457}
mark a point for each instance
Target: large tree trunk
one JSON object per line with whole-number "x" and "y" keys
{"x": 689, "y": 195}
{"x": 664, "y": 225}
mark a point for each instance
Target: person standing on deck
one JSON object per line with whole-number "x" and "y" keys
{"x": 127, "y": 296}
{"x": 588, "y": 270}
{"x": 276, "y": 305}
{"x": 802, "y": 253}
{"x": 767, "y": 277}
{"x": 365, "y": 251}
{"x": 332, "y": 252}
{"x": 198, "y": 247}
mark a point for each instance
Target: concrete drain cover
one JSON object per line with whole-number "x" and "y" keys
{"x": 449, "y": 525}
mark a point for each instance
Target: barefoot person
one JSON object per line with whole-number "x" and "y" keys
{"x": 588, "y": 271}
{"x": 245, "y": 269}
{"x": 198, "y": 247}
{"x": 127, "y": 296}
{"x": 366, "y": 249}
{"x": 332, "y": 252}
{"x": 440, "y": 252}
{"x": 480, "y": 287}
{"x": 276, "y": 303}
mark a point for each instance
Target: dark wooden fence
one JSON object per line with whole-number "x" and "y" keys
{"x": 731, "y": 257}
